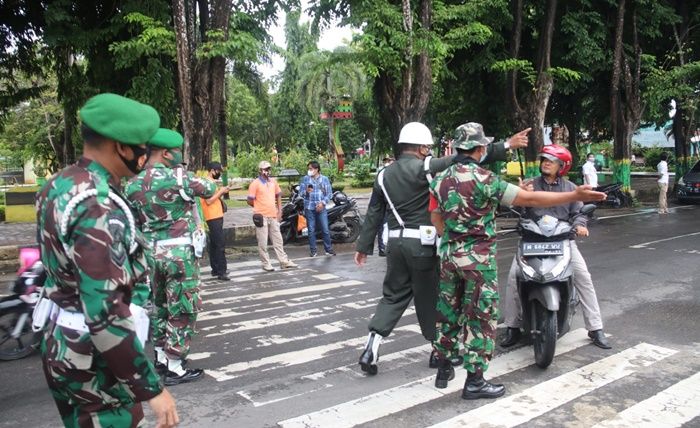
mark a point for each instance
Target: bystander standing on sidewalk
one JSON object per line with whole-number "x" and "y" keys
{"x": 662, "y": 169}
{"x": 316, "y": 190}
{"x": 265, "y": 196}
{"x": 214, "y": 209}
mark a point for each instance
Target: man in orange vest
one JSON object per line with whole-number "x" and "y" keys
{"x": 213, "y": 210}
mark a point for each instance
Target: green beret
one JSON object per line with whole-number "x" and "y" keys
{"x": 167, "y": 139}
{"x": 119, "y": 118}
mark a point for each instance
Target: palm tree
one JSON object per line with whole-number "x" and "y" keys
{"x": 326, "y": 80}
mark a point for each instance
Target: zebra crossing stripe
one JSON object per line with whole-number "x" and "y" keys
{"x": 284, "y": 292}
{"x": 402, "y": 397}
{"x": 287, "y": 359}
{"x": 520, "y": 408}
{"x": 671, "y": 407}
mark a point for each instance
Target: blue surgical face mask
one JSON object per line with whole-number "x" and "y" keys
{"x": 310, "y": 173}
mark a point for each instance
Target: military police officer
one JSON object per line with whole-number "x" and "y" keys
{"x": 164, "y": 194}
{"x": 464, "y": 198}
{"x": 401, "y": 190}
{"x": 93, "y": 360}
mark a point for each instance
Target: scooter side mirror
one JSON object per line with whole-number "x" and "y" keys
{"x": 588, "y": 209}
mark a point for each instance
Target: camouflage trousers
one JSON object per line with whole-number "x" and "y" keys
{"x": 175, "y": 282}
{"x": 90, "y": 395}
{"x": 467, "y": 302}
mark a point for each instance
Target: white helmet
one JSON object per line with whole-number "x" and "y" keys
{"x": 416, "y": 133}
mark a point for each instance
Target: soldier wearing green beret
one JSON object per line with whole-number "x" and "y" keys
{"x": 164, "y": 195}
{"x": 93, "y": 359}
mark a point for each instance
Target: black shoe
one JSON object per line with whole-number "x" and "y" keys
{"x": 512, "y": 337}
{"x": 476, "y": 387}
{"x": 599, "y": 339}
{"x": 330, "y": 253}
{"x": 370, "y": 356}
{"x": 445, "y": 374}
{"x": 382, "y": 253}
{"x": 190, "y": 375}
{"x": 223, "y": 278}
{"x": 313, "y": 254}
{"x": 434, "y": 361}
{"x": 161, "y": 368}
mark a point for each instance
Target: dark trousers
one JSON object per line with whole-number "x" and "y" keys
{"x": 411, "y": 274}
{"x": 217, "y": 256}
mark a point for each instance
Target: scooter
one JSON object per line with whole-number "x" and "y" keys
{"x": 545, "y": 281}
{"x": 344, "y": 219}
{"x": 17, "y": 339}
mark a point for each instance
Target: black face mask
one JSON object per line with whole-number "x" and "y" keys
{"x": 216, "y": 175}
{"x": 133, "y": 164}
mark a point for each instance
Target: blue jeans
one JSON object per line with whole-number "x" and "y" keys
{"x": 322, "y": 218}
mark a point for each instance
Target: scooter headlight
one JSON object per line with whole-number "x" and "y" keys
{"x": 526, "y": 268}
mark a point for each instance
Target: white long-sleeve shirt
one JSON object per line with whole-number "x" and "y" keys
{"x": 590, "y": 175}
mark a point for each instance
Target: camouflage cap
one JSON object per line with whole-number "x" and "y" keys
{"x": 119, "y": 118}
{"x": 469, "y": 136}
{"x": 166, "y": 139}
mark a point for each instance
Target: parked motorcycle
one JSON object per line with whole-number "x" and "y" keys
{"x": 544, "y": 281}
{"x": 17, "y": 339}
{"x": 344, "y": 219}
{"x": 615, "y": 198}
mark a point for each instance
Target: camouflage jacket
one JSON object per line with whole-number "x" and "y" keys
{"x": 163, "y": 212}
{"x": 90, "y": 269}
{"x": 407, "y": 185}
{"x": 467, "y": 197}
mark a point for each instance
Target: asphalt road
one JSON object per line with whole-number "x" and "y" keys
{"x": 281, "y": 348}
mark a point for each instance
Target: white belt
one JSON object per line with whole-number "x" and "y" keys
{"x": 184, "y": 240}
{"x": 76, "y": 321}
{"x": 407, "y": 233}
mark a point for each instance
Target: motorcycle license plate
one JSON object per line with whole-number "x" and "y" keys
{"x": 543, "y": 248}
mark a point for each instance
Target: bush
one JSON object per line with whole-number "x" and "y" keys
{"x": 297, "y": 158}
{"x": 361, "y": 173}
{"x": 246, "y": 162}
{"x": 652, "y": 156}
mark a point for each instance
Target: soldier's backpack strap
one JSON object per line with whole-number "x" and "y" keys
{"x": 380, "y": 181}
{"x": 426, "y": 168}
{"x": 80, "y": 197}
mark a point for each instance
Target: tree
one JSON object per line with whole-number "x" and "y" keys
{"x": 326, "y": 80}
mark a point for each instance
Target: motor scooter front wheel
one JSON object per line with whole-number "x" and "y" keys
{"x": 544, "y": 333}
{"x": 14, "y": 348}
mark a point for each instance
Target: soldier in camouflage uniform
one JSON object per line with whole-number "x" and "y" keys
{"x": 464, "y": 198}
{"x": 412, "y": 268}
{"x": 94, "y": 363}
{"x": 166, "y": 207}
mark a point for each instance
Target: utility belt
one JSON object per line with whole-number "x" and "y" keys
{"x": 426, "y": 234}
{"x": 46, "y": 310}
{"x": 76, "y": 321}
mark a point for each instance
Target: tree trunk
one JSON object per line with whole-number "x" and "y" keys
{"x": 184, "y": 54}
{"x": 409, "y": 102}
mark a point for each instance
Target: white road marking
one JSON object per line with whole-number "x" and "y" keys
{"x": 264, "y": 403}
{"x": 288, "y": 318}
{"x": 671, "y": 407}
{"x": 325, "y": 276}
{"x": 287, "y": 359}
{"x": 646, "y": 244}
{"x": 642, "y": 212}
{"x": 400, "y": 398}
{"x": 283, "y": 292}
{"x": 520, "y": 408}
{"x": 200, "y": 355}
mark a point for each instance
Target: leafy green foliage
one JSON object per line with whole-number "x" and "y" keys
{"x": 246, "y": 162}
{"x": 361, "y": 170}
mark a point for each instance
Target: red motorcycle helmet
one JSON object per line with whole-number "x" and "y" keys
{"x": 557, "y": 153}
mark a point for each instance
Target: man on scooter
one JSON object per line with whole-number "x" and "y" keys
{"x": 555, "y": 162}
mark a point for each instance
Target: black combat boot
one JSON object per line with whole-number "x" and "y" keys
{"x": 445, "y": 374}
{"x": 434, "y": 361}
{"x": 476, "y": 387}
{"x": 512, "y": 337}
{"x": 176, "y": 373}
{"x": 370, "y": 356}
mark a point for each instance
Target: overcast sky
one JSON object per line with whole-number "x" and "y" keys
{"x": 330, "y": 38}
